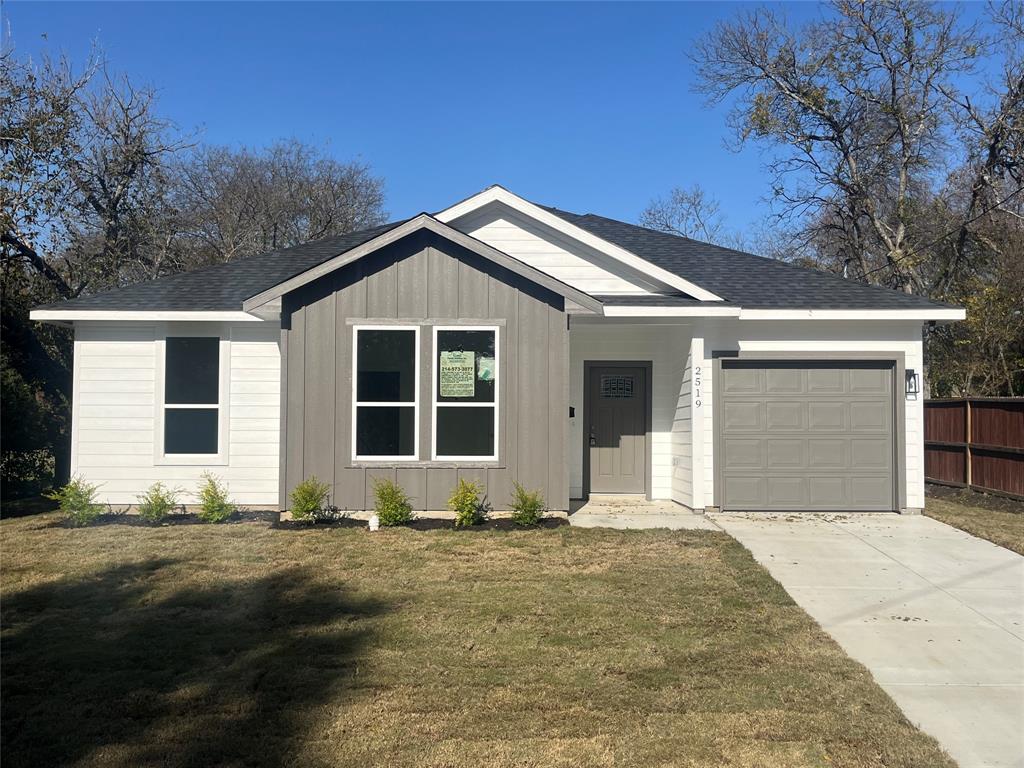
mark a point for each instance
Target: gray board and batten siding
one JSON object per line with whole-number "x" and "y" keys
{"x": 425, "y": 279}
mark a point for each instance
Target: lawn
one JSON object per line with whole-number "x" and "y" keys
{"x": 242, "y": 644}
{"x": 999, "y": 520}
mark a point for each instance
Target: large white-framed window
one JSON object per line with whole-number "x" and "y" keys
{"x": 385, "y": 392}
{"x": 465, "y": 392}
{"x": 192, "y": 397}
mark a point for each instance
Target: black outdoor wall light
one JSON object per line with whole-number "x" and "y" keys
{"x": 913, "y": 384}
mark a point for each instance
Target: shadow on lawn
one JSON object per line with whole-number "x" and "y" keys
{"x": 126, "y": 668}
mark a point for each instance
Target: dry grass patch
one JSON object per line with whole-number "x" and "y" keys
{"x": 1001, "y": 523}
{"x": 243, "y": 645}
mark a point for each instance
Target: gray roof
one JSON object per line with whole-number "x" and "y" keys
{"x": 223, "y": 287}
{"x": 741, "y": 279}
{"x": 753, "y": 282}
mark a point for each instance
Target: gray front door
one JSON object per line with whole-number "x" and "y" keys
{"x": 806, "y": 436}
{"x": 618, "y": 429}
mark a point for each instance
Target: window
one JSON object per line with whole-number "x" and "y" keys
{"x": 191, "y": 395}
{"x": 616, "y": 387}
{"x": 465, "y": 393}
{"x": 386, "y": 403}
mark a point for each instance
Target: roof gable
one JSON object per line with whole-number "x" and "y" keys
{"x": 419, "y": 223}
{"x": 498, "y": 194}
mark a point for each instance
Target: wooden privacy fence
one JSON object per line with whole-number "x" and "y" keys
{"x": 976, "y": 442}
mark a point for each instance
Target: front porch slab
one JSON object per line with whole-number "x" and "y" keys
{"x": 627, "y": 512}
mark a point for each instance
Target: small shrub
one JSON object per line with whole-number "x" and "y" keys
{"x": 528, "y": 507}
{"x": 329, "y": 514}
{"x": 214, "y": 505}
{"x": 158, "y": 502}
{"x": 465, "y": 503}
{"x": 309, "y": 498}
{"x": 77, "y": 500}
{"x": 391, "y": 503}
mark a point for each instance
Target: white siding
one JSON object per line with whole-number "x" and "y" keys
{"x": 665, "y": 347}
{"x": 553, "y": 253}
{"x": 115, "y": 412}
{"x": 682, "y": 429}
{"x": 832, "y": 336}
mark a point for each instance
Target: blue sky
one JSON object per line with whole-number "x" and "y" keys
{"x": 585, "y": 106}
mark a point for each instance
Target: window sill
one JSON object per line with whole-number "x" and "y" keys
{"x": 439, "y": 464}
{"x": 191, "y": 460}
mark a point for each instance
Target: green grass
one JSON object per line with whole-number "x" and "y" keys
{"x": 1001, "y": 523}
{"x": 243, "y": 645}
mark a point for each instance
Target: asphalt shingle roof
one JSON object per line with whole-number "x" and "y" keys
{"x": 223, "y": 287}
{"x": 753, "y": 282}
{"x": 741, "y": 279}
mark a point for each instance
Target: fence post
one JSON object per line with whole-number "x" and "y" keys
{"x": 967, "y": 441}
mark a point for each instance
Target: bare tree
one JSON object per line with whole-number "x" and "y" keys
{"x": 237, "y": 203}
{"x": 852, "y": 108}
{"x": 688, "y": 212}
{"x": 85, "y": 176}
{"x": 98, "y": 189}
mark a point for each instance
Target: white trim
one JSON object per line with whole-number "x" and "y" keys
{"x": 624, "y": 310}
{"x": 525, "y": 207}
{"x": 384, "y": 404}
{"x": 938, "y": 313}
{"x": 223, "y": 394}
{"x": 76, "y": 397}
{"x": 44, "y": 315}
{"x": 497, "y": 394}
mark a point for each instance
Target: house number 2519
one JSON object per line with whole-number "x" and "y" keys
{"x": 696, "y": 386}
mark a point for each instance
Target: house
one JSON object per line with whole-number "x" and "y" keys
{"x": 505, "y": 341}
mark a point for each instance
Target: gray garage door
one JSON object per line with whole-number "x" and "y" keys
{"x": 806, "y": 436}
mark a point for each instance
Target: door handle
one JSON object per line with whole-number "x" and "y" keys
{"x": 593, "y": 439}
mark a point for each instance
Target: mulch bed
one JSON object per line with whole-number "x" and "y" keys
{"x": 429, "y": 524}
{"x": 187, "y": 518}
{"x": 273, "y": 519}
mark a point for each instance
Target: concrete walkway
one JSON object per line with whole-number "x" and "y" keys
{"x": 937, "y": 616}
{"x": 635, "y": 512}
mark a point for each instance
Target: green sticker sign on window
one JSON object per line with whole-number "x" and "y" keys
{"x": 485, "y": 369}
{"x": 458, "y": 371}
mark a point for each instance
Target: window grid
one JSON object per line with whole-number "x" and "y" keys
{"x": 435, "y": 404}
{"x": 414, "y": 403}
{"x": 218, "y": 456}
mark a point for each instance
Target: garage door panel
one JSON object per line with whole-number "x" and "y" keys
{"x": 786, "y": 492}
{"x": 744, "y": 492}
{"x": 869, "y": 416}
{"x": 825, "y": 381}
{"x": 785, "y": 415}
{"x": 743, "y": 453}
{"x": 827, "y": 416}
{"x": 823, "y": 492}
{"x": 782, "y": 453}
{"x": 870, "y": 453}
{"x": 870, "y": 381}
{"x": 871, "y": 491}
{"x": 745, "y": 381}
{"x": 743, "y": 416}
{"x": 807, "y": 436}
{"x": 826, "y": 453}
{"x": 784, "y": 381}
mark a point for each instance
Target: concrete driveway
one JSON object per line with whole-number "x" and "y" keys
{"x": 937, "y": 616}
